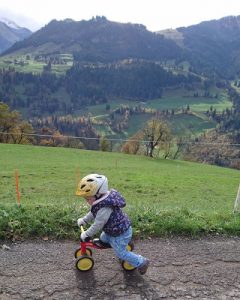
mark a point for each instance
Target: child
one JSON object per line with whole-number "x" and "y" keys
{"x": 107, "y": 215}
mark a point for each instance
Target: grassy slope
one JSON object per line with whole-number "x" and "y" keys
{"x": 163, "y": 196}
{"x": 177, "y": 99}
{"x": 171, "y": 100}
{"x": 184, "y": 125}
{"x": 33, "y": 66}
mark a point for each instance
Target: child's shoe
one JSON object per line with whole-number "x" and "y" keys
{"x": 101, "y": 244}
{"x": 143, "y": 267}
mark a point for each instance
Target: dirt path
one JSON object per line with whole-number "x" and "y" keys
{"x": 206, "y": 268}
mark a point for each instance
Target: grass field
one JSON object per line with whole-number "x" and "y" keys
{"x": 180, "y": 124}
{"x": 163, "y": 196}
{"x": 199, "y": 104}
{"x": 170, "y": 100}
{"x": 32, "y": 66}
{"x": 189, "y": 125}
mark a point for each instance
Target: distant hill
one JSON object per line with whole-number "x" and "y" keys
{"x": 211, "y": 46}
{"x": 98, "y": 40}
{"x": 10, "y": 33}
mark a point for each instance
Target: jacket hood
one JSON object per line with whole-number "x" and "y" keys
{"x": 114, "y": 198}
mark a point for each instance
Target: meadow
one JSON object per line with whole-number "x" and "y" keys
{"x": 164, "y": 197}
{"x": 192, "y": 124}
{"x": 21, "y": 64}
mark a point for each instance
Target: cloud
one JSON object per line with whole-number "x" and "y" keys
{"x": 21, "y": 20}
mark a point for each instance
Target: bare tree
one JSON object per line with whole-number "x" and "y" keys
{"x": 155, "y": 133}
{"x": 132, "y": 146}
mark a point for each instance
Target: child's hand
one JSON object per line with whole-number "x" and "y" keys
{"x": 81, "y": 222}
{"x": 84, "y": 237}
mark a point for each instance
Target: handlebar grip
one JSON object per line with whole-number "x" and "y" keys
{"x": 82, "y": 229}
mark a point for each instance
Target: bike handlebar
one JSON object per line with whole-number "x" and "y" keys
{"x": 82, "y": 229}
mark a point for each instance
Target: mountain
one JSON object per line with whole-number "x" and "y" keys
{"x": 10, "y": 33}
{"x": 9, "y": 23}
{"x": 98, "y": 40}
{"x": 211, "y": 46}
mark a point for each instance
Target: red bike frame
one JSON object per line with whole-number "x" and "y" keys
{"x": 90, "y": 244}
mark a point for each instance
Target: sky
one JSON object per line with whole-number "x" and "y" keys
{"x": 154, "y": 14}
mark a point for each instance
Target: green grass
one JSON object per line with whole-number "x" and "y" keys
{"x": 171, "y": 100}
{"x": 192, "y": 124}
{"x": 184, "y": 125}
{"x": 32, "y": 66}
{"x": 137, "y": 122}
{"x": 189, "y": 124}
{"x": 163, "y": 196}
{"x": 176, "y": 100}
{"x": 100, "y": 109}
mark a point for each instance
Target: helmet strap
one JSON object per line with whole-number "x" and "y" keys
{"x": 99, "y": 190}
{"x": 97, "y": 196}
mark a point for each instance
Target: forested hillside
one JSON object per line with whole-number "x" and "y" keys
{"x": 212, "y": 47}
{"x": 87, "y": 85}
{"x": 98, "y": 40}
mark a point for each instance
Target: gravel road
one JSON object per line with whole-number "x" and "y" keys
{"x": 181, "y": 268}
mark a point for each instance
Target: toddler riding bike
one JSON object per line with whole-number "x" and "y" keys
{"x": 107, "y": 215}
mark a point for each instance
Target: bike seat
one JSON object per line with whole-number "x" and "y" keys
{"x": 101, "y": 244}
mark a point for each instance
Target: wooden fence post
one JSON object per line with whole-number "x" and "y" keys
{"x": 236, "y": 204}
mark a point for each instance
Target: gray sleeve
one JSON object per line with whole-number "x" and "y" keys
{"x": 88, "y": 218}
{"x": 100, "y": 220}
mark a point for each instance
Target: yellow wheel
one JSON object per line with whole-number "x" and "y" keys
{"x": 78, "y": 252}
{"x": 127, "y": 267}
{"x": 130, "y": 246}
{"x": 84, "y": 263}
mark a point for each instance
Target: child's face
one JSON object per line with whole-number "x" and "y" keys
{"x": 90, "y": 200}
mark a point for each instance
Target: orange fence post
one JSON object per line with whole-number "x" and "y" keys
{"x": 17, "y": 188}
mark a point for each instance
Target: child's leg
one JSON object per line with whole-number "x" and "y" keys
{"x": 104, "y": 238}
{"x": 119, "y": 244}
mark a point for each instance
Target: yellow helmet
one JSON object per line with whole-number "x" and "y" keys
{"x": 92, "y": 185}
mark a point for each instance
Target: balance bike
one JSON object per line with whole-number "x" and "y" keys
{"x": 83, "y": 255}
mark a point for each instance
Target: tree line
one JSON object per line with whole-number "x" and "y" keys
{"x": 85, "y": 85}
{"x": 155, "y": 139}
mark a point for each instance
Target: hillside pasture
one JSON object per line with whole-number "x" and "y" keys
{"x": 189, "y": 124}
{"x": 163, "y": 196}
{"x": 178, "y": 99}
{"x": 29, "y": 65}
{"x": 181, "y": 124}
{"x": 174, "y": 99}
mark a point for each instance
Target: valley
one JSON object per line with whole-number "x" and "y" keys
{"x": 103, "y": 79}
